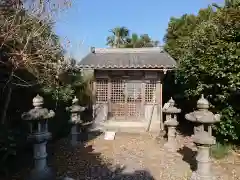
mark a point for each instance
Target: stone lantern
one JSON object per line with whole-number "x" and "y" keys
{"x": 39, "y": 135}
{"x": 75, "y": 120}
{"x": 203, "y": 138}
{"x": 171, "y": 122}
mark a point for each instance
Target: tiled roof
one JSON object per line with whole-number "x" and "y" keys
{"x": 126, "y": 58}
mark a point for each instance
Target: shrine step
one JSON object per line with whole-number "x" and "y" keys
{"x": 128, "y": 126}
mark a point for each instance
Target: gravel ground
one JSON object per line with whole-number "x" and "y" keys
{"x": 129, "y": 157}
{"x": 135, "y": 157}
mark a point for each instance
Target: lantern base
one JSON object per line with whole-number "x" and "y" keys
{"x": 44, "y": 174}
{"x": 196, "y": 176}
{"x": 75, "y": 141}
{"x": 161, "y": 135}
{"x": 171, "y": 146}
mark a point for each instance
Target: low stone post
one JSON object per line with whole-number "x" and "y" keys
{"x": 203, "y": 138}
{"x": 171, "y": 122}
{"x": 75, "y": 120}
{"x": 39, "y": 135}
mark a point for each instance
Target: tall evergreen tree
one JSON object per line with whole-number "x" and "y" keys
{"x": 206, "y": 47}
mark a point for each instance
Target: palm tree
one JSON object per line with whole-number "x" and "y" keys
{"x": 119, "y": 37}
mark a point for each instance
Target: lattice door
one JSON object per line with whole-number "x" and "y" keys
{"x": 118, "y": 99}
{"x": 126, "y": 99}
{"x": 150, "y": 91}
{"x": 134, "y": 99}
{"x": 101, "y": 90}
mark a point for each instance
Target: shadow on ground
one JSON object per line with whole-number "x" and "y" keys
{"x": 88, "y": 135}
{"x": 23, "y": 161}
{"x": 185, "y": 127}
{"x": 189, "y": 157}
{"x": 79, "y": 163}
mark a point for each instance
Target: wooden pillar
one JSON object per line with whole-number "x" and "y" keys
{"x": 109, "y": 95}
{"x": 94, "y": 96}
{"x": 161, "y": 105}
{"x": 126, "y": 100}
{"x": 143, "y": 98}
{"x": 161, "y": 79}
{"x": 158, "y": 101}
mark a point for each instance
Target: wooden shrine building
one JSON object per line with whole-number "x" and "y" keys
{"x": 128, "y": 86}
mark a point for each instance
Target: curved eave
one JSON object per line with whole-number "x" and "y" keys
{"x": 144, "y": 67}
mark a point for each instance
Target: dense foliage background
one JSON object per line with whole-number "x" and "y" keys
{"x": 32, "y": 61}
{"x": 207, "y": 49}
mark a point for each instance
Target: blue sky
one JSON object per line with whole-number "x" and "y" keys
{"x": 87, "y": 22}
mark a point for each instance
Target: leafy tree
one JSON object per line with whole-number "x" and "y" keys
{"x": 146, "y": 41}
{"x": 228, "y": 4}
{"x": 25, "y": 44}
{"x": 180, "y": 29}
{"x": 29, "y": 45}
{"x": 209, "y": 62}
{"x": 31, "y": 59}
{"x": 133, "y": 41}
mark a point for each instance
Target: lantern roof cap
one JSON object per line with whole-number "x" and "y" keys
{"x": 75, "y": 108}
{"x": 170, "y": 107}
{"x": 202, "y": 103}
{"x": 38, "y": 112}
{"x": 75, "y": 100}
{"x": 38, "y": 101}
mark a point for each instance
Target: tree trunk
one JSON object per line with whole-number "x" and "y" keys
{"x": 6, "y": 104}
{"x": 8, "y": 98}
